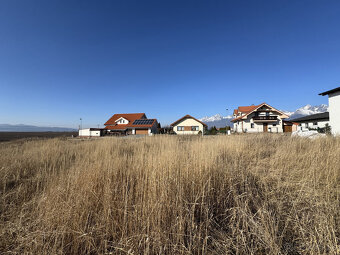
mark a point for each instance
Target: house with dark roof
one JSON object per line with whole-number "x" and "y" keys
{"x": 258, "y": 118}
{"x": 314, "y": 121}
{"x": 334, "y": 109}
{"x": 188, "y": 125}
{"x": 131, "y": 124}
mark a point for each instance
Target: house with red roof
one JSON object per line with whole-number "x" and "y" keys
{"x": 188, "y": 125}
{"x": 131, "y": 124}
{"x": 258, "y": 118}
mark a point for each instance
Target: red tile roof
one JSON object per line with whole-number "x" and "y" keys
{"x": 246, "y": 109}
{"x": 117, "y": 127}
{"x": 131, "y": 117}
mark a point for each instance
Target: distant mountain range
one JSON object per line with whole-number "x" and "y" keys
{"x": 29, "y": 128}
{"x": 307, "y": 110}
{"x": 218, "y": 120}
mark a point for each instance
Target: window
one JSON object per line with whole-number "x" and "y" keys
{"x": 194, "y": 128}
{"x": 274, "y": 125}
{"x": 256, "y": 114}
{"x": 180, "y": 128}
{"x": 267, "y": 114}
{"x": 252, "y": 125}
{"x": 307, "y": 125}
{"x": 315, "y": 123}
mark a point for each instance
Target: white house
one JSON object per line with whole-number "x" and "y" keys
{"x": 131, "y": 124}
{"x": 334, "y": 109}
{"x": 258, "y": 118}
{"x": 188, "y": 125}
{"x": 314, "y": 121}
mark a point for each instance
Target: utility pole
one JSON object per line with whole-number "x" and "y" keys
{"x": 226, "y": 124}
{"x": 81, "y": 123}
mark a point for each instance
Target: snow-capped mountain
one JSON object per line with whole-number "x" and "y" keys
{"x": 215, "y": 117}
{"x": 218, "y": 120}
{"x": 307, "y": 110}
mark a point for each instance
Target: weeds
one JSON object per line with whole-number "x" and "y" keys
{"x": 250, "y": 194}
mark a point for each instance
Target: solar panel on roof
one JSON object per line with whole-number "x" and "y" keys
{"x": 143, "y": 122}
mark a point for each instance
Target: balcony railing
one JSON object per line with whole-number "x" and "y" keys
{"x": 265, "y": 118}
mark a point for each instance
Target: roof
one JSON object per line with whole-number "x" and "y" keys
{"x": 249, "y": 109}
{"x": 288, "y": 122}
{"x": 143, "y": 125}
{"x": 330, "y": 91}
{"x": 127, "y": 126}
{"x": 318, "y": 116}
{"x": 244, "y": 109}
{"x": 117, "y": 127}
{"x": 131, "y": 117}
{"x": 93, "y": 129}
{"x": 186, "y": 117}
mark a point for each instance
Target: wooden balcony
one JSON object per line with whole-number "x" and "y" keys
{"x": 265, "y": 118}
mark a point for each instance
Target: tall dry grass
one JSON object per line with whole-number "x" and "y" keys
{"x": 171, "y": 195}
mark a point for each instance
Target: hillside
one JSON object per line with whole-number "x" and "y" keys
{"x": 31, "y": 128}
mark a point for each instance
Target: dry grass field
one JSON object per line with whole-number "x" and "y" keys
{"x": 9, "y": 136}
{"x": 246, "y": 194}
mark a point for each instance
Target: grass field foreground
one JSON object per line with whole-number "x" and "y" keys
{"x": 243, "y": 194}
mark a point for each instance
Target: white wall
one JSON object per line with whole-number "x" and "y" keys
{"x": 87, "y": 132}
{"x": 334, "y": 112}
{"x": 258, "y": 126}
{"x": 320, "y": 124}
{"x": 84, "y": 132}
{"x": 188, "y": 122}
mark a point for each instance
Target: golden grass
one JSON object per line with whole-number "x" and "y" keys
{"x": 246, "y": 194}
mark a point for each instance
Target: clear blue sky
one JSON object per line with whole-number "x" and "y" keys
{"x": 62, "y": 60}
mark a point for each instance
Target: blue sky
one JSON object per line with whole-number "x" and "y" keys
{"x": 62, "y": 60}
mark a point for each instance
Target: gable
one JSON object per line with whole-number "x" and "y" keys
{"x": 264, "y": 108}
{"x": 187, "y": 117}
{"x": 122, "y": 120}
{"x": 260, "y": 107}
{"x": 188, "y": 122}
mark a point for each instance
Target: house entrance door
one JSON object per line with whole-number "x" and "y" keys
{"x": 265, "y": 127}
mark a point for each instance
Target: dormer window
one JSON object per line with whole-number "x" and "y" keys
{"x": 122, "y": 121}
